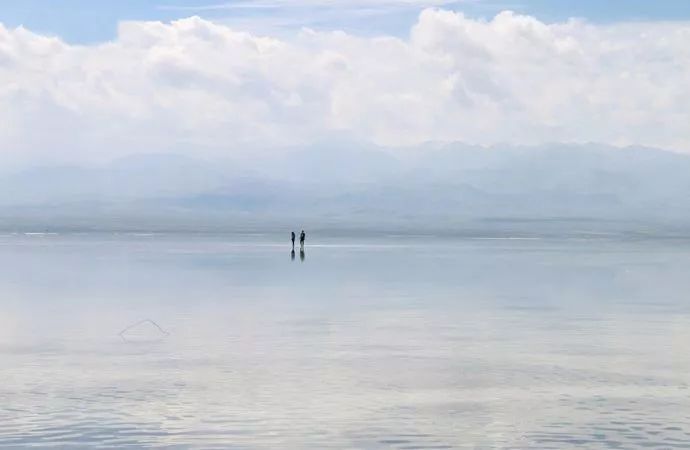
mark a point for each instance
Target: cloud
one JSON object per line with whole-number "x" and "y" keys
{"x": 201, "y": 87}
{"x": 268, "y": 4}
{"x": 284, "y": 17}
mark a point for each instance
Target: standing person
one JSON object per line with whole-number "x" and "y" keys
{"x": 302, "y": 237}
{"x": 293, "y": 239}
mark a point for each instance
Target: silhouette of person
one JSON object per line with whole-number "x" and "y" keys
{"x": 302, "y": 237}
{"x": 292, "y": 253}
{"x": 293, "y": 239}
{"x": 301, "y": 254}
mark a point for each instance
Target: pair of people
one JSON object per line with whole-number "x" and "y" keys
{"x": 302, "y": 238}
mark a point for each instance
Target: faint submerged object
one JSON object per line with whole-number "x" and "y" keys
{"x": 144, "y": 330}
{"x": 292, "y": 254}
{"x": 301, "y": 255}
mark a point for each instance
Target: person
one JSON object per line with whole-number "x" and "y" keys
{"x": 293, "y": 239}
{"x": 302, "y": 237}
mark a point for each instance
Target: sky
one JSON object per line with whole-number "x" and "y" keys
{"x": 86, "y": 21}
{"x": 84, "y": 81}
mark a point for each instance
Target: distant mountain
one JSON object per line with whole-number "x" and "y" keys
{"x": 132, "y": 178}
{"x": 432, "y": 186}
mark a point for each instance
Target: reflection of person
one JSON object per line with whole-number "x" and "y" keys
{"x": 302, "y": 237}
{"x": 292, "y": 253}
{"x": 293, "y": 239}
{"x": 301, "y": 254}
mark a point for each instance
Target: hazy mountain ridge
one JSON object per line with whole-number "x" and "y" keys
{"x": 432, "y": 186}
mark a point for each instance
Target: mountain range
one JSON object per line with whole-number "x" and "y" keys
{"x": 434, "y": 187}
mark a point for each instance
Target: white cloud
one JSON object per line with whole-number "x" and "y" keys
{"x": 192, "y": 85}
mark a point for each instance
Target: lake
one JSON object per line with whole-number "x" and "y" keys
{"x": 388, "y": 342}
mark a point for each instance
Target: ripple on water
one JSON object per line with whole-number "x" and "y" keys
{"x": 371, "y": 355}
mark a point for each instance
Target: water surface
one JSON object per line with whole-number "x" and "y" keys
{"x": 388, "y": 343}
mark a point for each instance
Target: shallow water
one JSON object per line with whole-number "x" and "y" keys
{"x": 395, "y": 343}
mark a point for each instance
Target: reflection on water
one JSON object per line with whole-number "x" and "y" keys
{"x": 468, "y": 344}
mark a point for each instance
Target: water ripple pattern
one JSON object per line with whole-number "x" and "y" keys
{"x": 226, "y": 342}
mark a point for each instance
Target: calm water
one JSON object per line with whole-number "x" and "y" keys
{"x": 392, "y": 343}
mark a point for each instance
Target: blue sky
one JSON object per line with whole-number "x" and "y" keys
{"x": 83, "y": 21}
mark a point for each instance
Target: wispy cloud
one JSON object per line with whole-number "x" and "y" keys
{"x": 221, "y": 6}
{"x": 367, "y": 17}
{"x": 364, "y": 17}
{"x": 352, "y": 4}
